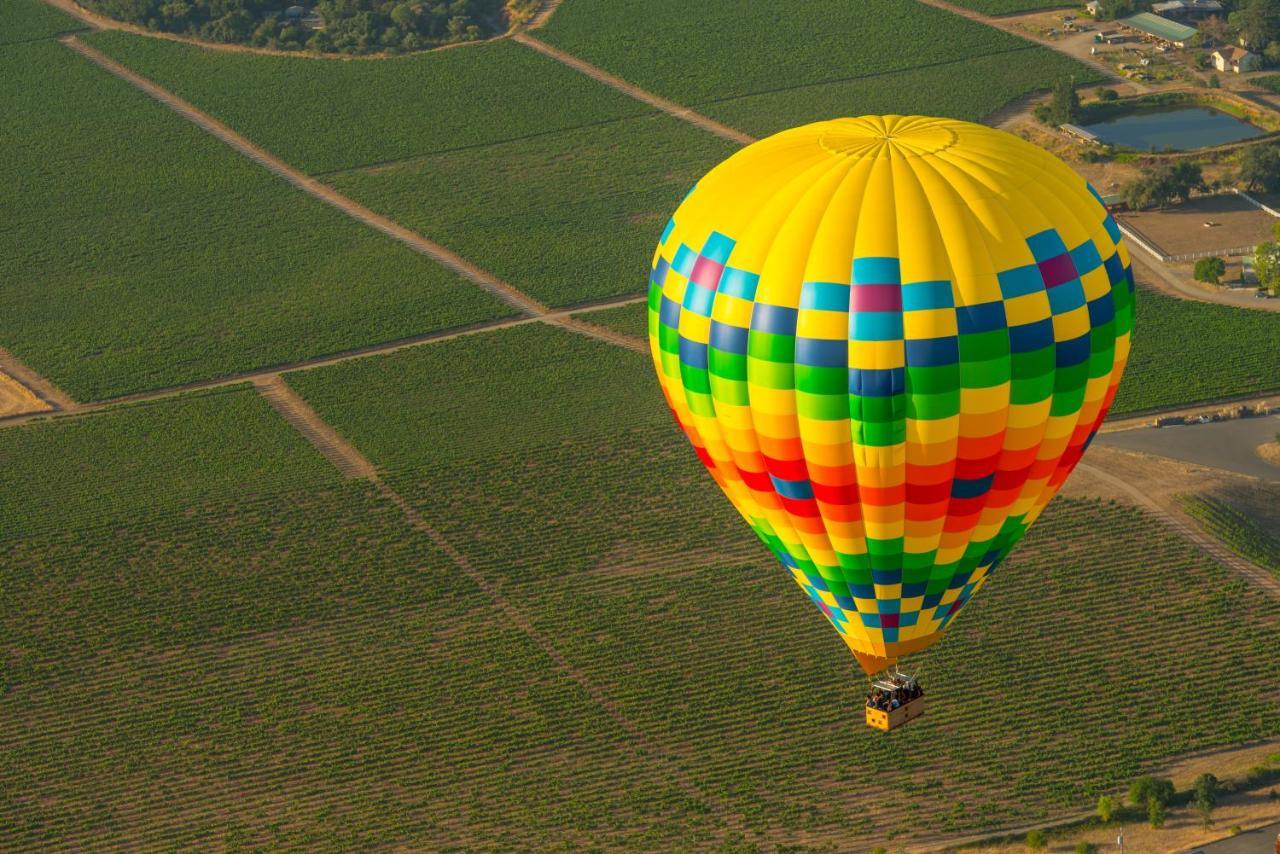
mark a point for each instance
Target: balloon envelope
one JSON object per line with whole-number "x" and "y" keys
{"x": 890, "y": 339}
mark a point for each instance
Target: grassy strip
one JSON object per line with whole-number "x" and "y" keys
{"x": 140, "y": 252}
{"x": 566, "y": 217}
{"x": 323, "y": 116}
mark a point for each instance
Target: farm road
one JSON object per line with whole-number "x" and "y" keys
{"x": 1228, "y": 445}
{"x": 568, "y": 318}
{"x": 436, "y": 252}
{"x": 348, "y": 459}
{"x": 1067, "y": 47}
{"x": 1167, "y": 510}
{"x": 600, "y": 75}
{"x": 1161, "y": 277}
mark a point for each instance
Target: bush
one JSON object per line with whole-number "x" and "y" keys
{"x": 1145, "y": 789}
{"x": 1106, "y": 807}
{"x": 1036, "y": 840}
{"x": 1210, "y": 270}
{"x": 1086, "y": 848}
{"x": 1108, "y": 94}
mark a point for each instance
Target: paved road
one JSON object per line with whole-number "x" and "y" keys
{"x": 1229, "y": 445}
{"x": 1260, "y": 841}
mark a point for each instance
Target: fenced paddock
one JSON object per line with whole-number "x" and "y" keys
{"x": 1179, "y": 233}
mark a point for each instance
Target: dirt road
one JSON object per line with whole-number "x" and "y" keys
{"x": 656, "y": 101}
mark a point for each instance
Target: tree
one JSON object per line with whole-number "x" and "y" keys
{"x": 1266, "y": 266}
{"x": 1108, "y": 94}
{"x": 1210, "y": 270}
{"x": 1144, "y": 789}
{"x": 1065, "y": 106}
{"x": 1106, "y": 807}
{"x": 1213, "y": 30}
{"x": 1155, "y": 812}
{"x": 1162, "y": 184}
{"x": 1036, "y": 840}
{"x": 1205, "y": 798}
{"x": 1257, "y": 21}
{"x": 1260, "y": 168}
{"x": 1112, "y": 9}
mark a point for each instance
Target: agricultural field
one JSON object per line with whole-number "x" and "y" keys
{"x": 210, "y": 639}
{"x": 1245, "y": 517}
{"x": 143, "y": 253}
{"x": 821, "y": 57}
{"x": 612, "y": 540}
{"x": 117, "y": 466}
{"x": 567, "y": 217}
{"x": 29, "y": 20}
{"x": 630, "y": 320}
{"x": 1185, "y": 352}
{"x": 326, "y": 115}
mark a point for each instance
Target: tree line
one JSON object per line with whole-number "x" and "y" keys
{"x": 332, "y": 26}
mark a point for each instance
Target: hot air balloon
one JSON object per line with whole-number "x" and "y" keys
{"x": 890, "y": 339}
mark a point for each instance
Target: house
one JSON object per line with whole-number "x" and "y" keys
{"x": 1093, "y": 7}
{"x": 1187, "y": 9}
{"x": 1160, "y": 29}
{"x": 1235, "y": 60}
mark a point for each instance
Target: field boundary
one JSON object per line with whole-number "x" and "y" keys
{"x": 42, "y": 388}
{"x": 348, "y": 459}
{"x": 565, "y": 318}
{"x": 1182, "y": 524}
{"x": 598, "y": 74}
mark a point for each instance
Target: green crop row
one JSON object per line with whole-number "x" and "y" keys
{"x": 323, "y": 116}
{"x": 565, "y": 217}
{"x": 107, "y": 469}
{"x": 138, "y": 251}
{"x": 28, "y": 20}
{"x": 1243, "y": 534}
{"x": 1186, "y": 351}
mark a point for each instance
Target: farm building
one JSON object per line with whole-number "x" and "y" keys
{"x": 1160, "y": 29}
{"x": 1079, "y": 133}
{"x": 1093, "y": 7}
{"x": 1187, "y": 9}
{"x": 1235, "y": 60}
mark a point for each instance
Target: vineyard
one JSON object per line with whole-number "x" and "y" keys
{"x": 964, "y": 89}
{"x": 540, "y": 626}
{"x": 1234, "y": 518}
{"x": 295, "y": 670}
{"x": 1186, "y": 351}
{"x": 327, "y": 116}
{"x": 147, "y": 253}
{"x": 571, "y": 216}
{"x": 111, "y": 468}
{"x": 820, "y": 55}
{"x": 622, "y": 550}
{"x": 26, "y": 20}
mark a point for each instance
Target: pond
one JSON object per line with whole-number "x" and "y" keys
{"x": 1179, "y": 128}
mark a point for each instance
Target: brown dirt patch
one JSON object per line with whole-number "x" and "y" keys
{"x": 1270, "y": 452}
{"x": 17, "y": 399}
{"x": 1181, "y": 229}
